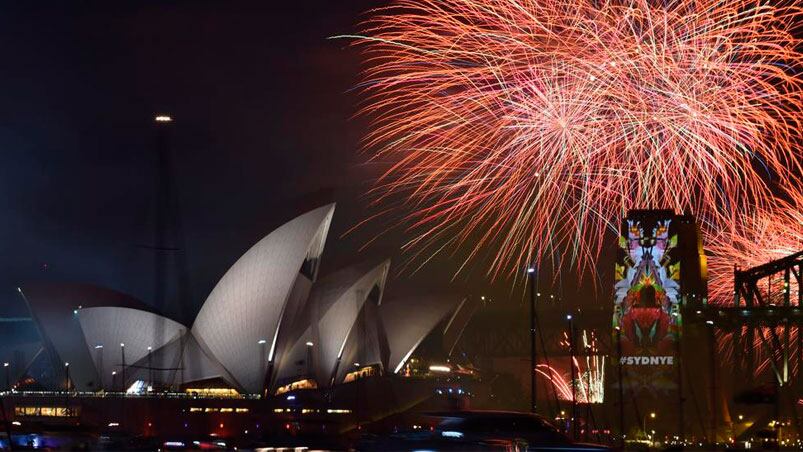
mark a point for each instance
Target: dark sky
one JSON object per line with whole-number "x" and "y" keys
{"x": 263, "y": 104}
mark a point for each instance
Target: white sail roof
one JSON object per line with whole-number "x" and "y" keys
{"x": 247, "y": 305}
{"x": 56, "y": 308}
{"x": 106, "y": 328}
{"x": 178, "y": 363}
{"x": 408, "y": 320}
{"x": 333, "y": 308}
{"x": 261, "y": 315}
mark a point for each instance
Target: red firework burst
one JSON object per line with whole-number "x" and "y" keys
{"x": 527, "y": 128}
{"x": 763, "y": 236}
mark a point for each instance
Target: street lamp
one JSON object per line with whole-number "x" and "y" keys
{"x": 122, "y": 369}
{"x": 8, "y": 379}
{"x": 712, "y": 350}
{"x": 533, "y": 363}
{"x": 574, "y": 384}
{"x": 309, "y": 358}
{"x": 621, "y": 386}
{"x": 99, "y": 360}
{"x": 644, "y": 423}
{"x": 150, "y": 367}
{"x": 67, "y": 377}
{"x": 263, "y": 355}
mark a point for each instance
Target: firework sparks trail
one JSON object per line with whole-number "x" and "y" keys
{"x": 590, "y": 382}
{"x": 763, "y": 236}
{"x": 758, "y": 238}
{"x": 560, "y": 381}
{"x": 524, "y": 129}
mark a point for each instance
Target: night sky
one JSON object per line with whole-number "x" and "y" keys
{"x": 263, "y": 105}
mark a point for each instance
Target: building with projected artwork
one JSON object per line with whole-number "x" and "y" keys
{"x": 660, "y": 269}
{"x": 269, "y": 328}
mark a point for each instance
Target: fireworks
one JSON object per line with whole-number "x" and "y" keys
{"x": 524, "y": 129}
{"x": 766, "y": 235}
{"x": 559, "y": 380}
{"x": 758, "y": 238}
{"x": 589, "y": 381}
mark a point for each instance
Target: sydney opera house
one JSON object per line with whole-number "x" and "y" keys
{"x": 271, "y": 336}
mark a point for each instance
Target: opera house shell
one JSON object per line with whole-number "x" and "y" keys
{"x": 268, "y": 325}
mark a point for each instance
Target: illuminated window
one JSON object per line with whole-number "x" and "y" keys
{"x": 367, "y": 371}
{"x": 210, "y": 410}
{"x": 195, "y": 409}
{"x": 45, "y": 411}
{"x": 300, "y": 384}
{"x": 241, "y": 410}
{"x": 226, "y": 410}
{"x": 226, "y": 393}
